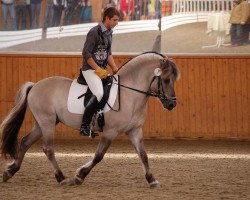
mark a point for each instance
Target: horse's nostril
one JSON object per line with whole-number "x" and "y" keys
{"x": 171, "y": 105}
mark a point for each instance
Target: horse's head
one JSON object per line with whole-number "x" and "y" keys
{"x": 165, "y": 77}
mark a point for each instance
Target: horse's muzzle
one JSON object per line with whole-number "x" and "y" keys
{"x": 169, "y": 104}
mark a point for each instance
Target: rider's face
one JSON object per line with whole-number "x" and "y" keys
{"x": 111, "y": 22}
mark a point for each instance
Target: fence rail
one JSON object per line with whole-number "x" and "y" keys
{"x": 12, "y": 38}
{"x": 213, "y": 94}
{"x": 194, "y": 6}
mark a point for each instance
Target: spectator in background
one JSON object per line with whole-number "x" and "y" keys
{"x": 127, "y": 9}
{"x": 35, "y": 6}
{"x": 71, "y": 5}
{"x": 86, "y": 11}
{"x": 239, "y": 20}
{"x": 8, "y": 9}
{"x": 248, "y": 25}
{"x": 151, "y": 9}
{"x": 108, "y": 3}
{"x": 49, "y": 12}
{"x": 28, "y": 13}
{"x": 137, "y": 14}
{"x": 58, "y": 7}
{"x": 20, "y": 14}
{"x": 141, "y": 9}
{"x": 143, "y": 6}
{"x": 158, "y": 9}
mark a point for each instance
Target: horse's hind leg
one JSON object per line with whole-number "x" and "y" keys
{"x": 48, "y": 149}
{"x": 26, "y": 143}
{"x": 135, "y": 136}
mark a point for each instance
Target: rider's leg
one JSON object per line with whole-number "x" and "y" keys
{"x": 90, "y": 110}
{"x": 96, "y": 87}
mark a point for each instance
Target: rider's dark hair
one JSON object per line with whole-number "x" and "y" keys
{"x": 110, "y": 12}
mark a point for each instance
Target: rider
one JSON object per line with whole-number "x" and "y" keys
{"x": 96, "y": 55}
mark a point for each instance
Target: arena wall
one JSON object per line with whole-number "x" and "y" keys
{"x": 213, "y": 94}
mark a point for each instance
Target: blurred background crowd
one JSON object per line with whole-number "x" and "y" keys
{"x": 31, "y": 14}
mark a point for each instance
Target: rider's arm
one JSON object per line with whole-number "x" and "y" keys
{"x": 112, "y": 64}
{"x": 92, "y": 63}
{"x": 87, "y": 53}
{"x": 89, "y": 45}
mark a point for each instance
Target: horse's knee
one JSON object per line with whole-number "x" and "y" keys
{"x": 48, "y": 152}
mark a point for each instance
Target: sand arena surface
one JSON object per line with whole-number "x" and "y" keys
{"x": 186, "y": 170}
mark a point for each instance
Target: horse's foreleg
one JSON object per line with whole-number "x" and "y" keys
{"x": 136, "y": 138}
{"x": 48, "y": 149}
{"x": 26, "y": 143}
{"x": 83, "y": 171}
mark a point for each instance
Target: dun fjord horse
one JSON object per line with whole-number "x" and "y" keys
{"x": 148, "y": 74}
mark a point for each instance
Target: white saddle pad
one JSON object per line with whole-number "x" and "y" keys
{"x": 76, "y": 105}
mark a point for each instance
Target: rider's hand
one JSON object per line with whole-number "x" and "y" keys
{"x": 102, "y": 73}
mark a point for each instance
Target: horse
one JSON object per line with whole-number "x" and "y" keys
{"x": 145, "y": 75}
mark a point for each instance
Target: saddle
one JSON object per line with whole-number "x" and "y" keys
{"x": 107, "y": 83}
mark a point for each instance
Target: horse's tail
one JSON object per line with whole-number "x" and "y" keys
{"x": 12, "y": 123}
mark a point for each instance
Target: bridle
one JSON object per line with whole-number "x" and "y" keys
{"x": 160, "y": 91}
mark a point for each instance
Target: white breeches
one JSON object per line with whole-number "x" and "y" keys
{"x": 94, "y": 82}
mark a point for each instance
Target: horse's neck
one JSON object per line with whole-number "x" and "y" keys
{"x": 139, "y": 71}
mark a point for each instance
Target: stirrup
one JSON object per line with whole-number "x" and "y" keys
{"x": 86, "y": 131}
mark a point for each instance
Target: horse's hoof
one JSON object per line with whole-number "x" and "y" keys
{"x": 78, "y": 180}
{"x": 6, "y": 176}
{"x": 154, "y": 184}
{"x": 68, "y": 182}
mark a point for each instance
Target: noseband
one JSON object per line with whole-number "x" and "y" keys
{"x": 160, "y": 90}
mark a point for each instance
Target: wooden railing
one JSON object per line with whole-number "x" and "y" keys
{"x": 213, "y": 94}
{"x": 196, "y": 6}
{"x": 11, "y": 38}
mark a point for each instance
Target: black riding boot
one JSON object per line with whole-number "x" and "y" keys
{"x": 90, "y": 110}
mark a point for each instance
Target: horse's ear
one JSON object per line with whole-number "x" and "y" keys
{"x": 177, "y": 73}
{"x": 164, "y": 60}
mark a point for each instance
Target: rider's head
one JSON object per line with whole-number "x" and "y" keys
{"x": 110, "y": 17}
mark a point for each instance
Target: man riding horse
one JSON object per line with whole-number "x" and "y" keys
{"x": 96, "y": 55}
